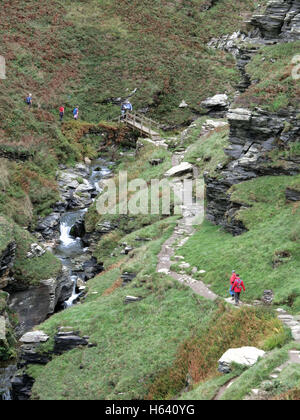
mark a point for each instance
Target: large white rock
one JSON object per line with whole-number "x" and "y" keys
{"x": 178, "y": 170}
{"x": 34, "y": 337}
{"x": 217, "y": 100}
{"x": 247, "y": 356}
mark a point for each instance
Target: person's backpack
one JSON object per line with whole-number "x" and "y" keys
{"x": 239, "y": 283}
{"x": 28, "y": 100}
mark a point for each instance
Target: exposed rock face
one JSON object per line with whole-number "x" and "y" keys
{"x": 35, "y": 303}
{"x": 252, "y": 135}
{"x": 216, "y": 105}
{"x": 49, "y": 226}
{"x": 7, "y": 259}
{"x": 281, "y": 19}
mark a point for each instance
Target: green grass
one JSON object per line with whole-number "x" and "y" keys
{"x": 27, "y": 271}
{"x": 279, "y": 90}
{"x": 208, "y": 151}
{"x": 260, "y": 372}
{"x": 133, "y": 341}
{"x": 262, "y": 258}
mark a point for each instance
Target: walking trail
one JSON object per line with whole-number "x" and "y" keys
{"x": 183, "y": 231}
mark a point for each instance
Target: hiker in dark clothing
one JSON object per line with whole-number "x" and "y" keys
{"x": 237, "y": 288}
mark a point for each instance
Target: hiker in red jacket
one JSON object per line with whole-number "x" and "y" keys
{"x": 61, "y": 113}
{"x": 237, "y": 288}
{"x": 232, "y": 279}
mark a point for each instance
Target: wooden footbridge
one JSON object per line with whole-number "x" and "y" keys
{"x": 143, "y": 124}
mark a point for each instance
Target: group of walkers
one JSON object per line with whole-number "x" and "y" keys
{"x": 125, "y": 107}
{"x": 236, "y": 286}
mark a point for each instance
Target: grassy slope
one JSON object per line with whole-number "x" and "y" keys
{"x": 254, "y": 253}
{"x": 27, "y": 270}
{"x": 74, "y": 54}
{"x": 280, "y": 89}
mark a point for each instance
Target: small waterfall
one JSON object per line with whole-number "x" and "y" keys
{"x": 68, "y": 303}
{"x": 65, "y": 238}
{"x": 6, "y": 374}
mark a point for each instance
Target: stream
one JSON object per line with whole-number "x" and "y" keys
{"x": 68, "y": 248}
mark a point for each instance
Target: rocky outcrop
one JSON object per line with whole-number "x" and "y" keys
{"x": 7, "y": 259}
{"x": 34, "y": 303}
{"x": 31, "y": 352}
{"x": 280, "y": 20}
{"x": 216, "y": 105}
{"x": 253, "y": 134}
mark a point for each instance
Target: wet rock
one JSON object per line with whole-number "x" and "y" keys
{"x": 78, "y": 229}
{"x": 92, "y": 268}
{"x": 49, "y": 226}
{"x": 21, "y": 387}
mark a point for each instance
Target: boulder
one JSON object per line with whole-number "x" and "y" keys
{"x": 292, "y": 194}
{"x": 35, "y": 251}
{"x": 246, "y": 356}
{"x": 179, "y": 170}
{"x": 34, "y": 337}
{"x": 217, "y": 101}
{"x": 49, "y": 225}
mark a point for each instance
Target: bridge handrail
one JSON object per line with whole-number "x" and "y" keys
{"x": 146, "y": 124}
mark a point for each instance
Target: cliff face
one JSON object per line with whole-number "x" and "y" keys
{"x": 253, "y": 135}
{"x": 32, "y": 283}
{"x": 281, "y": 20}
{"x": 260, "y": 141}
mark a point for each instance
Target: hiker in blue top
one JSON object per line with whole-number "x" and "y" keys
{"x": 29, "y": 100}
{"x": 125, "y": 107}
{"x": 75, "y": 113}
